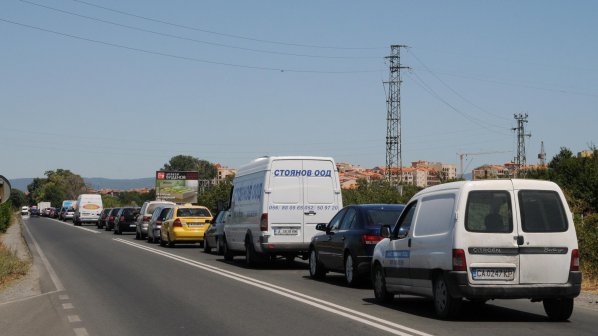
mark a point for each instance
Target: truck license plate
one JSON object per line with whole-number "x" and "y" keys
{"x": 286, "y": 232}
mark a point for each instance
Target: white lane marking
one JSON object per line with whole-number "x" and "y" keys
{"x": 63, "y": 297}
{"x": 51, "y": 272}
{"x": 73, "y": 318}
{"x": 68, "y": 306}
{"x": 76, "y": 227}
{"x": 355, "y": 315}
{"x": 80, "y": 332}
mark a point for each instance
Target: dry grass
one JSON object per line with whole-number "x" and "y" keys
{"x": 11, "y": 267}
{"x": 589, "y": 284}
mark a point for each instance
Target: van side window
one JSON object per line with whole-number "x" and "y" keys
{"x": 436, "y": 215}
{"x": 542, "y": 211}
{"x": 489, "y": 211}
{"x": 404, "y": 223}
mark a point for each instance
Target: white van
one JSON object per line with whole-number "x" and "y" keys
{"x": 276, "y": 203}
{"x": 87, "y": 209}
{"x": 482, "y": 240}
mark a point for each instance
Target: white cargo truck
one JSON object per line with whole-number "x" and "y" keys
{"x": 276, "y": 203}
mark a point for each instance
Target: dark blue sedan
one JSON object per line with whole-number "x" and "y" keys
{"x": 346, "y": 243}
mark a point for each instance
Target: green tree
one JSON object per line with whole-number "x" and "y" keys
{"x": 216, "y": 197}
{"x": 378, "y": 191}
{"x": 206, "y": 170}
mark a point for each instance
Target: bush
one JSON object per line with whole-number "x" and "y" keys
{"x": 587, "y": 235}
{"x": 5, "y": 216}
{"x": 11, "y": 267}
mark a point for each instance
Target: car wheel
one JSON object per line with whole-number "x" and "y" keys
{"x": 351, "y": 274}
{"x": 150, "y": 239}
{"x": 558, "y": 309}
{"x": 228, "y": 254}
{"x": 206, "y": 246}
{"x": 446, "y": 306}
{"x": 316, "y": 269}
{"x": 162, "y": 242}
{"x": 219, "y": 246}
{"x": 381, "y": 294}
{"x": 137, "y": 235}
{"x": 169, "y": 242}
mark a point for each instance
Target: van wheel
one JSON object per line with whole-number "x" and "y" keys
{"x": 446, "y": 306}
{"x": 351, "y": 274}
{"x": 558, "y": 309}
{"x": 252, "y": 258}
{"x": 228, "y": 254}
{"x": 316, "y": 270}
{"x": 381, "y": 294}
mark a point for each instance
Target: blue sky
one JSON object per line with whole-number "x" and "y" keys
{"x": 116, "y": 88}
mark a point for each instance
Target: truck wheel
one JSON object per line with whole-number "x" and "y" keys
{"x": 252, "y": 258}
{"x": 445, "y": 305}
{"x": 558, "y": 309}
{"x": 381, "y": 294}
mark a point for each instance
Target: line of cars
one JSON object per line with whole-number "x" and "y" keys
{"x": 162, "y": 222}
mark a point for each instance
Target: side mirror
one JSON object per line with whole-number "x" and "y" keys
{"x": 321, "y": 226}
{"x": 385, "y": 231}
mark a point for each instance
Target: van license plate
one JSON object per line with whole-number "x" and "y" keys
{"x": 493, "y": 273}
{"x": 286, "y": 232}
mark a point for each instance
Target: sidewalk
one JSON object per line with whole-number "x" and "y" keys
{"x": 29, "y": 284}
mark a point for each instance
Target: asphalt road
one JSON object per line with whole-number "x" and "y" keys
{"x": 98, "y": 283}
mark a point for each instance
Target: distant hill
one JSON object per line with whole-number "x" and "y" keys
{"x": 97, "y": 183}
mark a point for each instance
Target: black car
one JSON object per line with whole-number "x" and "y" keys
{"x": 110, "y": 217}
{"x": 126, "y": 220}
{"x": 34, "y": 211}
{"x": 103, "y": 218}
{"x": 347, "y": 242}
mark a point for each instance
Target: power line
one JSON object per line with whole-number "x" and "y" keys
{"x": 186, "y": 58}
{"x": 191, "y": 39}
{"x": 221, "y": 34}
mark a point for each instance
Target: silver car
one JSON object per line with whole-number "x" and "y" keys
{"x": 213, "y": 236}
{"x": 155, "y": 223}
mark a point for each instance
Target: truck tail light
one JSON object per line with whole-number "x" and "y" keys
{"x": 574, "y": 260}
{"x": 370, "y": 239}
{"x": 459, "y": 262}
{"x": 177, "y": 223}
{"x": 264, "y": 222}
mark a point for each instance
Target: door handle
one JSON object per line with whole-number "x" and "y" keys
{"x": 310, "y": 213}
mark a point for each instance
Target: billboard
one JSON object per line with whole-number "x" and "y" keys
{"x": 176, "y": 186}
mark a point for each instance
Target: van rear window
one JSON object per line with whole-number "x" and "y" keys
{"x": 542, "y": 211}
{"x": 489, "y": 211}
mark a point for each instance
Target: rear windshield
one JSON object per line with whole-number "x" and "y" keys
{"x": 489, "y": 211}
{"x": 378, "y": 217}
{"x": 542, "y": 211}
{"x": 192, "y": 212}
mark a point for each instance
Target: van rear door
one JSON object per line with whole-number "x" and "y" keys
{"x": 491, "y": 248}
{"x": 304, "y": 192}
{"x": 545, "y": 237}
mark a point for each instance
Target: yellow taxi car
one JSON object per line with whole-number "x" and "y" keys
{"x": 185, "y": 224}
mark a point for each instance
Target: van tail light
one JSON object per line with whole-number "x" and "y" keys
{"x": 574, "y": 261}
{"x": 122, "y": 218}
{"x": 370, "y": 239}
{"x": 459, "y": 262}
{"x": 264, "y": 222}
{"x": 147, "y": 218}
{"x": 177, "y": 223}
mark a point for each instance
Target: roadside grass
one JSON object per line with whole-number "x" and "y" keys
{"x": 11, "y": 267}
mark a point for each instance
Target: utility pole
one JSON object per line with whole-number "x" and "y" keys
{"x": 520, "y": 129}
{"x": 393, "y": 117}
{"x": 542, "y": 155}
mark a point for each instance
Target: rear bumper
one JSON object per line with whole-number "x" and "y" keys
{"x": 283, "y": 248}
{"x": 459, "y": 286}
